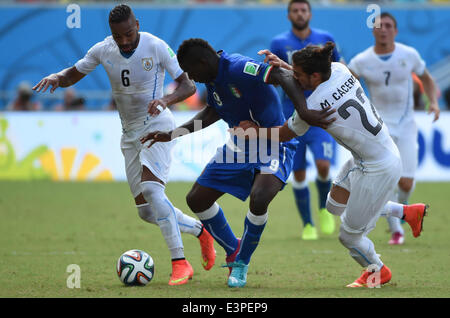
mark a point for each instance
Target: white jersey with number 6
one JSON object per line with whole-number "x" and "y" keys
{"x": 389, "y": 81}
{"x": 357, "y": 127}
{"x": 137, "y": 80}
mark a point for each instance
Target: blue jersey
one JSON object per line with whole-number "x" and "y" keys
{"x": 287, "y": 43}
{"x": 239, "y": 93}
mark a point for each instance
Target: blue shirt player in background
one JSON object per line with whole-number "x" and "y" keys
{"x": 319, "y": 142}
{"x": 238, "y": 90}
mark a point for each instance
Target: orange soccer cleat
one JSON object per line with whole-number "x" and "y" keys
{"x": 208, "y": 251}
{"x": 182, "y": 272}
{"x": 373, "y": 279}
{"x": 413, "y": 214}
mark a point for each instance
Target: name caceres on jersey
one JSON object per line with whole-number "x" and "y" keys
{"x": 358, "y": 127}
{"x": 137, "y": 80}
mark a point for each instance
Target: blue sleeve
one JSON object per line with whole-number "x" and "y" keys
{"x": 246, "y": 71}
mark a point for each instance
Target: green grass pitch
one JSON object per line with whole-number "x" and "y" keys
{"x": 46, "y": 226}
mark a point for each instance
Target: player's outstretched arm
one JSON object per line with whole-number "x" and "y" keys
{"x": 185, "y": 88}
{"x": 284, "y": 78}
{"x": 431, "y": 90}
{"x": 248, "y": 129}
{"x": 65, "y": 78}
{"x": 204, "y": 118}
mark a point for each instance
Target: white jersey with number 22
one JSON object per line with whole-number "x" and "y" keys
{"x": 358, "y": 127}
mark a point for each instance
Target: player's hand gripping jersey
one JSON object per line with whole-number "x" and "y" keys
{"x": 136, "y": 80}
{"x": 358, "y": 126}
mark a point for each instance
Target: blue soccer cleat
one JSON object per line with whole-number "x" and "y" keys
{"x": 238, "y": 276}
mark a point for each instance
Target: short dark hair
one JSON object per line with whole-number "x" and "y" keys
{"x": 314, "y": 58}
{"x": 388, "y": 15}
{"x": 120, "y": 13}
{"x": 298, "y": 1}
{"x": 190, "y": 44}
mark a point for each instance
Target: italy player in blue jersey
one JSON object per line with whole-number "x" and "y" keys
{"x": 319, "y": 142}
{"x": 238, "y": 91}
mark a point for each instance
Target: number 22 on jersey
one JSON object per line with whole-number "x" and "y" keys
{"x": 357, "y": 104}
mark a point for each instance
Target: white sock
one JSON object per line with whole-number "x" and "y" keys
{"x": 166, "y": 217}
{"x": 257, "y": 219}
{"x": 393, "y": 209}
{"x": 364, "y": 253}
{"x": 186, "y": 223}
{"x": 299, "y": 184}
{"x": 393, "y": 212}
{"x": 326, "y": 179}
{"x": 209, "y": 213}
{"x": 361, "y": 249}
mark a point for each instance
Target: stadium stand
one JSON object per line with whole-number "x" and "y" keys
{"x": 420, "y": 21}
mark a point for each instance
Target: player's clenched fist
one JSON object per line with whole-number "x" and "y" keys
{"x": 156, "y": 136}
{"x": 44, "y": 83}
{"x": 156, "y": 107}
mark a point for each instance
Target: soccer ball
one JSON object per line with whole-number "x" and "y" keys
{"x": 135, "y": 268}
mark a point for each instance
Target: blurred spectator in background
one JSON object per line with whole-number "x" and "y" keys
{"x": 111, "y": 105}
{"x": 420, "y": 98}
{"x": 24, "y": 101}
{"x": 77, "y": 104}
{"x": 69, "y": 97}
{"x": 71, "y": 101}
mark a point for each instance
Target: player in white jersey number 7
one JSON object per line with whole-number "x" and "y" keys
{"x": 386, "y": 68}
{"x": 135, "y": 63}
{"x": 360, "y": 192}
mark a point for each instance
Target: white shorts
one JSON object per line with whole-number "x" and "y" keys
{"x": 369, "y": 192}
{"x": 405, "y": 137}
{"x": 157, "y": 158}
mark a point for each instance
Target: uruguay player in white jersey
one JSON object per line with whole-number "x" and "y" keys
{"x": 136, "y": 63}
{"x": 361, "y": 190}
{"x": 387, "y": 70}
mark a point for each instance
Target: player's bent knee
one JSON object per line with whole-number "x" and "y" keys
{"x": 323, "y": 168}
{"x": 406, "y": 184}
{"x": 153, "y": 193}
{"x": 260, "y": 200}
{"x": 151, "y": 189}
{"x": 335, "y": 207}
{"x": 196, "y": 203}
{"x": 146, "y": 213}
{"x": 300, "y": 175}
